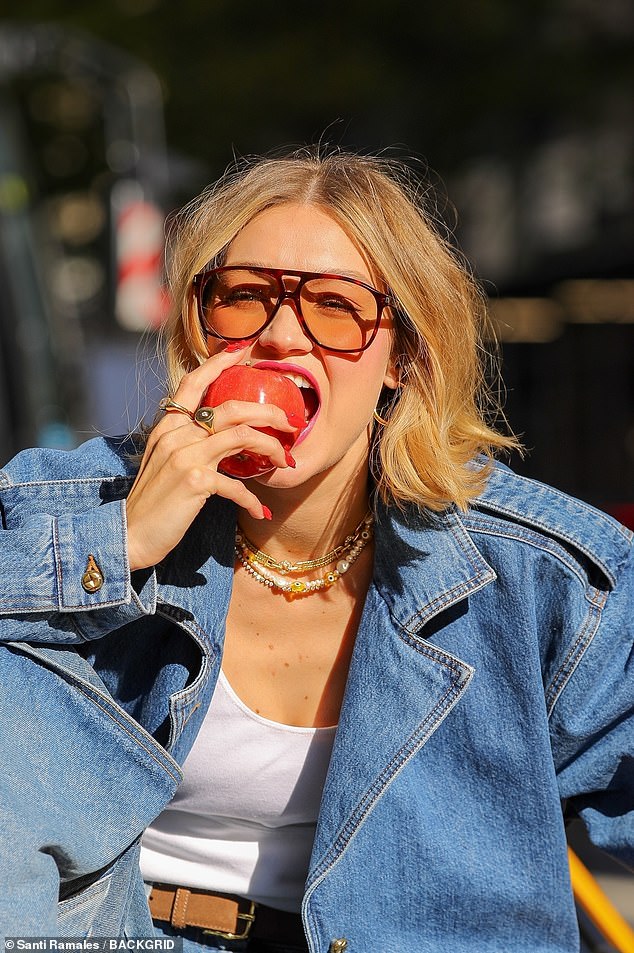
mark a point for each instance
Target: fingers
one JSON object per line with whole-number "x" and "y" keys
{"x": 236, "y": 427}
{"x": 194, "y": 446}
{"x": 227, "y": 443}
{"x": 175, "y": 458}
{"x": 232, "y": 413}
{"x": 238, "y": 492}
{"x": 192, "y": 388}
{"x": 193, "y": 385}
{"x": 179, "y": 470}
{"x": 178, "y": 475}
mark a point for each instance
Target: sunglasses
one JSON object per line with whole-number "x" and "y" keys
{"x": 236, "y": 302}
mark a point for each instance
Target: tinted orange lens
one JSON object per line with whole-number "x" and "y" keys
{"x": 238, "y": 303}
{"x": 339, "y": 313}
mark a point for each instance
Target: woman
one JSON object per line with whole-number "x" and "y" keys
{"x": 383, "y": 746}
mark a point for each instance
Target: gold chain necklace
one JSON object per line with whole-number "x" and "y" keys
{"x": 285, "y": 566}
{"x": 259, "y": 564}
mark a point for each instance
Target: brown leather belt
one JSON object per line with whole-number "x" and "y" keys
{"x": 224, "y": 915}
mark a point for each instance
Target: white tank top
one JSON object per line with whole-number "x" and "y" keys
{"x": 243, "y": 820}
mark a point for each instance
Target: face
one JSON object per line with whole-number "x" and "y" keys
{"x": 343, "y": 388}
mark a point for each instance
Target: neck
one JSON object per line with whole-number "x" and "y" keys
{"x": 311, "y": 519}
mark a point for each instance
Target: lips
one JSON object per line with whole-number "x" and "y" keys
{"x": 308, "y": 386}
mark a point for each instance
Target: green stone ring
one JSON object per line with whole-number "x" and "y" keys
{"x": 204, "y": 417}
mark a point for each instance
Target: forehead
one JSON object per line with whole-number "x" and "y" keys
{"x": 301, "y": 238}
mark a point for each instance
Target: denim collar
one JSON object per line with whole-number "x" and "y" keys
{"x": 423, "y": 564}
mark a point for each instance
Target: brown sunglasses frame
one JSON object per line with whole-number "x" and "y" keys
{"x": 199, "y": 281}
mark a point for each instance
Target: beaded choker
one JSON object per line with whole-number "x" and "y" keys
{"x": 264, "y": 568}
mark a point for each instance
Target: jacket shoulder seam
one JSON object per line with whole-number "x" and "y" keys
{"x": 25, "y": 484}
{"x": 527, "y": 503}
{"x": 528, "y": 536}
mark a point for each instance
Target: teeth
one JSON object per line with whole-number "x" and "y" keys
{"x": 298, "y": 380}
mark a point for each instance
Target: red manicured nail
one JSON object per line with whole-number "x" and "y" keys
{"x": 236, "y": 346}
{"x": 289, "y": 459}
{"x": 267, "y": 513}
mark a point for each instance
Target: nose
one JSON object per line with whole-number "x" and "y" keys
{"x": 285, "y": 333}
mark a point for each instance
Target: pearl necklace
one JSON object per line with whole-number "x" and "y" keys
{"x": 259, "y": 564}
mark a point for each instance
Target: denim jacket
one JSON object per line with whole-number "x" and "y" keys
{"x": 491, "y": 680}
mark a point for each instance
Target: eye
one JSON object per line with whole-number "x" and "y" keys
{"x": 239, "y": 294}
{"x": 334, "y": 302}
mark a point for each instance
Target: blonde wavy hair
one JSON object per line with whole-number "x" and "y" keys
{"x": 439, "y": 419}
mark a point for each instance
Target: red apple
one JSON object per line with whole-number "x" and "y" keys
{"x": 260, "y": 387}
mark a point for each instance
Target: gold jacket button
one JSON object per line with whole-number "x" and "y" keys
{"x": 338, "y": 946}
{"x": 92, "y": 580}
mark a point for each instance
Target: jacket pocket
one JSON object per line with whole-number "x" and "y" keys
{"x": 80, "y": 914}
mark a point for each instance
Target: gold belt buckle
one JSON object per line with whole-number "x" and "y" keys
{"x": 249, "y": 917}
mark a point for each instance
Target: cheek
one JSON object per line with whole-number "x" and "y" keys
{"x": 375, "y": 367}
{"x": 359, "y": 384}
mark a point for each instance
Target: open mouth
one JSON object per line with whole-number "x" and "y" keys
{"x": 308, "y": 392}
{"x": 308, "y": 388}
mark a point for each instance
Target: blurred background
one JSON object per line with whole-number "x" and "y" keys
{"x": 519, "y": 114}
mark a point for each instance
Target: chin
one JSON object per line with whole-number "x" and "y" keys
{"x": 282, "y": 478}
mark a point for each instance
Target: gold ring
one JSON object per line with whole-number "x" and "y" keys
{"x": 204, "y": 417}
{"x": 168, "y": 403}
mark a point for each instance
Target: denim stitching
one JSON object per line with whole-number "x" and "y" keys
{"x": 96, "y": 891}
{"x": 374, "y": 792}
{"x": 171, "y": 613}
{"x": 574, "y": 655}
{"x": 531, "y": 539}
{"x": 481, "y": 568}
{"x": 138, "y": 740}
{"x": 461, "y": 539}
{"x": 58, "y": 564}
{"x": 117, "y": 717}
{"x": 602, "y": 523}
{"x": 10, "y": 485}
{"x": 34, "y": 601}
{"x": 482, "y": 575}
{"x": 181, "y": 715}
{"x": 593, "y": 515}
{"x": 59, "y": 575}
{"x": 454, "y": 665}
{"x": 446, "y": 599}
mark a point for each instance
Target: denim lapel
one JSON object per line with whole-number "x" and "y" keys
{"x": 400, "y": 687}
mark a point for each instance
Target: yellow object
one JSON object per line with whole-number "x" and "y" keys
{"x": 598, "y": 907}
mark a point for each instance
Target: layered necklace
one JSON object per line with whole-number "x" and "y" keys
{"x": 274, "y": 573}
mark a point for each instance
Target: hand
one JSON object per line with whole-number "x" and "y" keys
{"x": 179, "y": 469}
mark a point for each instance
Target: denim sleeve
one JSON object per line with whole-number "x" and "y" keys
{"x": 592, "y": 722}
{"x": 42, "y": 573}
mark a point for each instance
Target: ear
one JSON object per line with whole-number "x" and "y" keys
{"x": 392, "y": 374}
